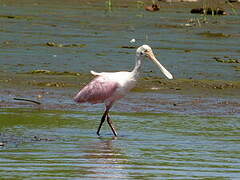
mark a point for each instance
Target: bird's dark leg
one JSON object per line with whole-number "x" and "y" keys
{"x": 111, "y": 125}
{"x": 102, "y": 121}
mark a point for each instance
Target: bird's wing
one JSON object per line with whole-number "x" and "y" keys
{"x": 97, "y": 91}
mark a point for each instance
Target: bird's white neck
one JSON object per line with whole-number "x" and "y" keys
{"x": 137, "y": 67}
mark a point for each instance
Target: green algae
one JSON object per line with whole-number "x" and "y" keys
{"x": 237, "y": 68}
{"x": 189, "y": 86}
{"x": 50, "y": 84}
{"x": 209, "y": 34}
{"x": 52, "y": 79}
{"x": 16, "y": 17}
{"x": 101, "y": 54}
{"x": 227, "y": 60}
{"x": 167, "y": 26}
{"x": 47, "y": 72}
{"x": 53, "y": 44}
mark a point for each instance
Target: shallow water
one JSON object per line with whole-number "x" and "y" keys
{"x": 160, "y": 136}
{"x": 185, "y": 51}
{"x": 187, "y": 128}
{"x": 57, "y": 144}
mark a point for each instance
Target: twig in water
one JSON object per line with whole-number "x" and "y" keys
{"x": 28, "y": 100}
{"x": 198, "y": 22}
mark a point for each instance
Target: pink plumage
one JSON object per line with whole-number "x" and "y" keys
{"x": 97, "y": 91}
{"x": 108, "y": 87}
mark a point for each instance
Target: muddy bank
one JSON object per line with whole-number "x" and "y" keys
{"x": 190, "y": 86}
{"x": 39, "y": 79}
{"x": 55, "y": 91}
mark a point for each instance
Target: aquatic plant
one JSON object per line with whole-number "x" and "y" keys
{"x": 209, "y": 34}
{"x": 232, "y": 7}
{"x": 237, "y": 68}
{"x": 53, "y": 44}
{"x": 210, "y": 4}
{"x": 109, "y": 5}
{"x": 227, "y": 60}
{"x": 140, "y": 4}
{"x": 47, "y": 72}
{"x": 212, "y": 7}
{"x": 209, "y": 7}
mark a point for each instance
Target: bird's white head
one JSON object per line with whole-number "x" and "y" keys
{"x": 142, "y": 50}
{"x": 146, "y": 51}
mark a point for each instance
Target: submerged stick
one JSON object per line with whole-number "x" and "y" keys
{"x": 28, "y": 100}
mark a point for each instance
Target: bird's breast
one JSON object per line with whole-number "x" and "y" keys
{"x": 126, "y": 80}
{"x": 126, "y": 85}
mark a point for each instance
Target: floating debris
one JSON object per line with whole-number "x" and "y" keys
{"x": 224, "y": 60}
{"x": 7, "y": 42}
{"x": 50, "y": 84}
{"x": 101, "y": 54}
{"x": 152, "y": 8}
{"x": 35, "y": 138}
{"x": 53, "y": 44}
{"x": 171, "y": 1}
{"x": 133, "y": 40}
{"x": 28, "y": 100}
{"x": 187, "y": 50}
{"x": 42, "y": 71}
{"x": 208, "y": 11}
{"x": 193, "y": 22}
{"x": 214, "y": 35}
{"x": 233, "y": 1}
{"x": 166, "y": 26}
{"x": 7, "y": 16}
{"x": 237, "y": 68}
{"x": 128, "y": 47}
{"x": 16, "y": 17}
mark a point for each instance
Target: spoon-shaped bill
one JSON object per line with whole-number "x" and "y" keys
{"x": 161, "y": 67}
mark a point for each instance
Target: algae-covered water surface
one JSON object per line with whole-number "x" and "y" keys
{"x": 186, "y": 128}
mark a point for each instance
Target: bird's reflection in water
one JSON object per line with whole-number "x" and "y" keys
{"x": 105, "y": 159}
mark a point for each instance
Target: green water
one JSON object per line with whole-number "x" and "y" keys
{"x": 62, "y": 144}
{"x": 90, "y": 37}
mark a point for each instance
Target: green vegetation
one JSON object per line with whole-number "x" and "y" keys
{"x": 209, "y": 34}
{"x": 227, "y": 60}
{"x": 42, "y": 71}
{"x": 53, "y": 44}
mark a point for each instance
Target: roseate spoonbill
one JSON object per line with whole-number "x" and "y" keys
{"x": 107, "y": 87}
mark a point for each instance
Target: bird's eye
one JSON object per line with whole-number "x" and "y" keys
{"x": 141, "y": 53}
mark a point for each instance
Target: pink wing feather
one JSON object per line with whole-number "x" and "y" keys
{"x": 97, "y": 91}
